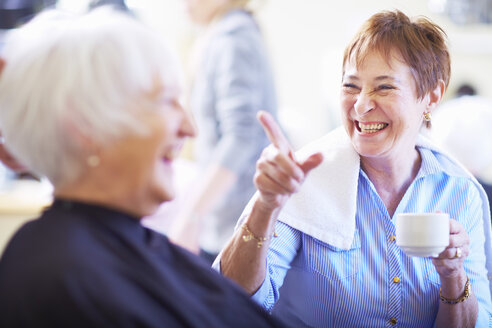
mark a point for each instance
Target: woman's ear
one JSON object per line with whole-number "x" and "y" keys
{"x": 435, "y": 96}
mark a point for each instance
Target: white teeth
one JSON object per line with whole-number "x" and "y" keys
{"x": 372, "y": 128}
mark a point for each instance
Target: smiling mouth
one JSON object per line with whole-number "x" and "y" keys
{"x": 370, "y": 127}
{"x": 172, "y": 155}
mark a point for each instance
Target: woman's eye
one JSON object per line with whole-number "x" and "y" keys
{"x": 385, "y": 87}
{"x": 167, "y": 101}
{"x": 350, "y": 86}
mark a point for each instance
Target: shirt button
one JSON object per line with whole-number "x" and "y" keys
{"x": 396, "y": 280}
{"x": 392, "y": 238}
{"x": 393, "y": 321}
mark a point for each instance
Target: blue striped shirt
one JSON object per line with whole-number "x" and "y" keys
{"x": 375, "y": 284}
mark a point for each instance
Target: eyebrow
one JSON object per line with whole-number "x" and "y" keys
{"x": 379, "y": 78}
{"x": 386, "y": 77}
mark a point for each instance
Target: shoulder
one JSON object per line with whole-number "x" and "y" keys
{"x": 48, "y": 233}
{"x": 440, "y": 162}
{"x": 237, "y": 32}
{"x": 51, "y": 248}
{"x": 82, "y": 278}
{"x": 449, "y": 174}
{"x": 236, "y": 22}
{"x": 451, "y": 167}
{"x": 439, "y": 159}
{"x": 40, "y": 260}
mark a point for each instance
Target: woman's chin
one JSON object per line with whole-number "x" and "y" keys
{"x": 367, "y": 147}
{"x": 156, "y": 199}
{"x": 169, "y": 195}
{"x": 372, "y": 151}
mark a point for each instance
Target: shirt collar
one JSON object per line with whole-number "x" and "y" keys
{"x": 429, "y": 165}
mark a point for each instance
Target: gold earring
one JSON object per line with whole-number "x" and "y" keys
{"x": 427, "y": 119}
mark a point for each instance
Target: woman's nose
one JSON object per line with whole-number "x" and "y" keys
{"x": 364, "y": 104}
{"x": 188, "y": 124}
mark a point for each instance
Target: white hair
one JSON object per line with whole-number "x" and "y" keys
{"x": 70, "y": 78}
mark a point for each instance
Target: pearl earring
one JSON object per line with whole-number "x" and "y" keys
{"x": 93, "y": 160}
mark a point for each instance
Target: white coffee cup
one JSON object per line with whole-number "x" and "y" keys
{"x": 422, "y": 234}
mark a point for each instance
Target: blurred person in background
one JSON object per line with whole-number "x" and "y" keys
{"x": 463, "y": 128}
{"x": 14, "y": 13}
{"x": 231, "y": 81}
{"x": 320, "y": 251}
{"x": 465, "y": 89}
{"x": 91, "y": 102}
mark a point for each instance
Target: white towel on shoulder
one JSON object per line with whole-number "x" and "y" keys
{"x": 325, "y": 206}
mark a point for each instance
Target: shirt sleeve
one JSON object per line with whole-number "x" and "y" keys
{"x": 281, "y": 253}
{"x": 239, "y": 89}
{"x": 475, "y": 262}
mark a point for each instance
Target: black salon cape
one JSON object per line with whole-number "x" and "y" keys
{"x": 83, "y": 265}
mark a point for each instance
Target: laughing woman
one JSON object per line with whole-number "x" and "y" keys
{"x": 335, "y": 262}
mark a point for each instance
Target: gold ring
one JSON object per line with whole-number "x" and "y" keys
{"x": 458, "y": 252}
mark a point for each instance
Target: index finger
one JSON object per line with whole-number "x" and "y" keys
{"x": 273, "y": 132}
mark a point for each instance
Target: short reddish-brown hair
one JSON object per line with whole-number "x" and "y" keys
{"x": 420, "y": 43}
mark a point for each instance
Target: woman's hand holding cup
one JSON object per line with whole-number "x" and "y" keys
{"x": 449, "y": 263}
{"x": 435, "y": 235}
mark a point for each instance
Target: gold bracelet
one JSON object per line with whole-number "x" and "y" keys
{"x": 249, "y": 236}
{"x": 458, "y": 300}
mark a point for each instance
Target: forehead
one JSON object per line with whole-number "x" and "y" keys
{"x": 375, "y": 63}
{"x": 164, "y": 89}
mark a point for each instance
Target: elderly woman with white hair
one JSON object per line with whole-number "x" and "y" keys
{"x": 91, "y": 102}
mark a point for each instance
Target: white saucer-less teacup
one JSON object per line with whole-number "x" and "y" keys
{"x": 422, "y": 234}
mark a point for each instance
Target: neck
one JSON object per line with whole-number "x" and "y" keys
{"x": 112, "y": 194}
{"x": 392, "y": 176}
{"x": 220, "y": 12}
